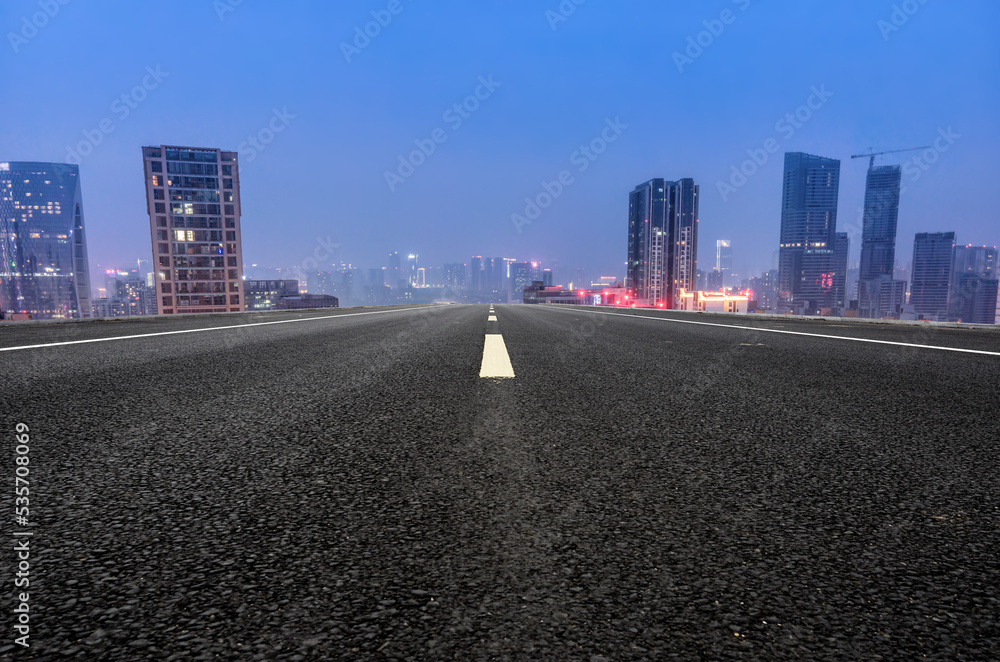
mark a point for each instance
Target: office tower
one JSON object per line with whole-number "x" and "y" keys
{"x": 489, "y": 277}
{"x": 345, "y": 292}
{"x": 411, "y": 269}
{"x": 764, "y": 290}
{"x": 933, "y": 259}
{"x": 812, "y": 259}
{"x": 396, "y": 278}
{"x": 547, "y": 277}
{"x": 127, "y": 294}
{"x": 878, "y": 293}
{"x": 193, "y": 202}
{"x": 724, "y": 259}
{"x": 973, "y": 284}
{"x": 714, "y": 281}
{"x": 522, "y": 274}
{"x": 454, "y": 276}
{"x": 476, "y": 273}
{"x": 662, "y": 240}
{"x": 43, "y": 245}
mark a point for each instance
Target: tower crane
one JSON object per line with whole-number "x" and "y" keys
{"x": 872, "y": 155}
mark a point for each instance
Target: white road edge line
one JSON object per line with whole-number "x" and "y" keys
{"x": 213, "y": 328}
{"x": 496, "y": 362}
{"x": 800, "y": 333}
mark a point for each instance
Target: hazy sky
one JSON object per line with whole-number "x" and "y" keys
{"x": 225, "y": 70}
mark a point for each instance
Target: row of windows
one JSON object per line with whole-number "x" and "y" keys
{"x": 199, "y": 300}
{"x": 195, "y": 249}
{"x": 176, "y": 168}
{"x": 204, "y": 155}
{"x": 195, "y": 222}
{"x": 199, "y": 262}
{"x": 200, "y": 288}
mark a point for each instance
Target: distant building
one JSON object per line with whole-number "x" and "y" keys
{"x": 454, "y": 276}
{"x": 974, "y": 270}
{"x": 127, "y": 294}
{"x": 812, "y": 262}
{"x": 933, "y": 255}
{"x": 764, "y": 291}
{"x": 476, "y": 273}
{"x": 879, "y": 295}
{"x": 265, "y": 294}
{"x": 411, "y": 269}
{"x": 547, "y": 277}
{"x": 662, "y": 240}
{"x": 303, "y": 301}
{"x": 43, "y": 245}
{"x": 713, "y": 302}
{"x": 724, "y": 259}
{"x": 522, "y": 274}
{"x": 193, "y": 202}
{"x": 976, "y": 300}
{"x": 396, "y": 277}
{"x": 714, "y": 281}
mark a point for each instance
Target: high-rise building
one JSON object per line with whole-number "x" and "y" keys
{"x": 878, "y": 245}
{"x": 126, "y": 294}
{"x": 454, "y": 276}
{"x": 411, "y": 269}
{"x": 522, "y": 274}
{"x": 396, "y": 277}
{"x": 476, "y": 273}
{"x": 546, "y": 277}
{"x": 724, "y": 259}
{"x": 973, "y": 284}
{"x": 933, "y": 260}
{"x": 662, "y": 240}
{"x": 812, "y": 262}
{"x": 193, "y": 202}
{"x": 764, "y": 290}
{"x": 43, "y": 245}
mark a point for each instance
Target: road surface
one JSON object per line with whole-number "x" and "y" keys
{"x": 345, "y": 485}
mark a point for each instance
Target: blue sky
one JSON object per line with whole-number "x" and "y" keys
{"x": 225, "y": 67}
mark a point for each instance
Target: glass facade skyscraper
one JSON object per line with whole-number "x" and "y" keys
{"x": 930, "y": 285}
{"x": 812, "y": 259}
{"x": 974, "y": 284}
{"x": 662, "y": 240}
{"x": 42, "y": 241}
{"x": 878, "y": 244}
{"x": 193, "y": 202}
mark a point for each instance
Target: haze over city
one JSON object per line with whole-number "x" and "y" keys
{"x": 344, "y": 115}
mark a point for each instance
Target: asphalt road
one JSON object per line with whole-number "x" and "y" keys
{"x": 348, "y": 487}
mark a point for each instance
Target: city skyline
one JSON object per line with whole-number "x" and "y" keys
{"x": 279, "y": 122}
